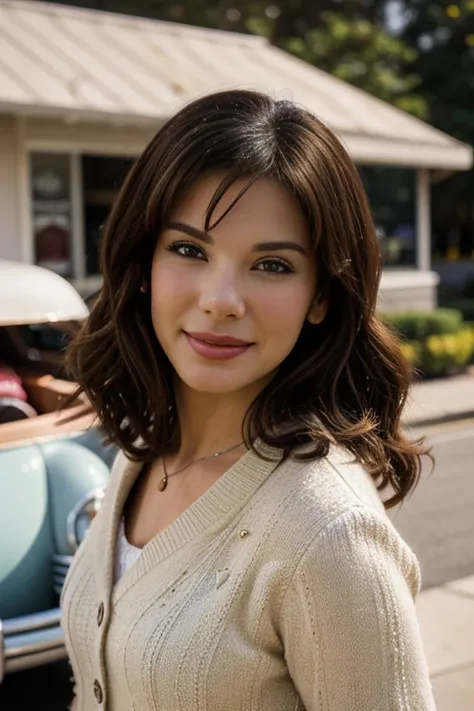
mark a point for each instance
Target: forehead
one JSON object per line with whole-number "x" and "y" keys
{"x": 267, "y": 206}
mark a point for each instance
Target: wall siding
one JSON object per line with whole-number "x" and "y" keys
{"x": 100, "y": 138}
{"x": 414, "y": 298}
{"x": 10, "y": 238}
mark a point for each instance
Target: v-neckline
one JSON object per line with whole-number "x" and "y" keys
{"x": 210, "y": 512}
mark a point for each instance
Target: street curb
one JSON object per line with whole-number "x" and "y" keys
{"x": 439, "y": 419}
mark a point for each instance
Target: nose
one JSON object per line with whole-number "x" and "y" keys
{"x": 221, "y": 295}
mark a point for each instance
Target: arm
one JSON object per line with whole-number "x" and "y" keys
{"x": 348, "y": 622}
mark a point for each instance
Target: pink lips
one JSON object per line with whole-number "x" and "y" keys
{"x": 215, "y": 346}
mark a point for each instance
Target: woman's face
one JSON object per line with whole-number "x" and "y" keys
{"x": 228, "y": 306}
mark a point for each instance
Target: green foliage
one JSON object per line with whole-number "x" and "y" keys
{"x": 447, "y": 352}
{"x": 442, "y": 31}
{"x": 412, "y": 352}
{"x": 417, "y": 326}
{"x": 434, "y": 343}
{"x": 365, "y": 55}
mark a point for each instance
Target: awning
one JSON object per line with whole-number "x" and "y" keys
{"x": 88, "y": 65}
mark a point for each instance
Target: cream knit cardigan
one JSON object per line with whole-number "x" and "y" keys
{"x": 284, "y": 587}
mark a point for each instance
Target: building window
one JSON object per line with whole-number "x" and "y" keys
{"x": 102, "y": 178}
{"x": 64, "y": 209}
{"x": 392, "y": 196}
{"x": 51, "y": 211}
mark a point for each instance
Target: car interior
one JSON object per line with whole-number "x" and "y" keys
{"x": 47, "y": 393}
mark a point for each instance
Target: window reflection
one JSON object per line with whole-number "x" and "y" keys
{"x": 51, "y": 207}
{"x": 392, "y": 196}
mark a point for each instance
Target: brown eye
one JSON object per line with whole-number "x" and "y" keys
{"x": 274, "y": 266}
{"x": 188, "y": 250}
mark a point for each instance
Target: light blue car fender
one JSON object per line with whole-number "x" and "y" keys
{"x": 49, "y": 494}
{"x": 77, "y": 480}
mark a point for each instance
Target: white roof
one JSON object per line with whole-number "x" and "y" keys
{"x": 86, "y": 64}
{"x": 31, "y": 294}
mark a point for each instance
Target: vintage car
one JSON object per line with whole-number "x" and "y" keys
{"x": 53, "y": 467}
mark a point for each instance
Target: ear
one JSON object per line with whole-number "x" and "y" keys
{"x": 317, "y": 312}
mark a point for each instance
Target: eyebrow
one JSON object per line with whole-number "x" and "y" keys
{"x": 274, "y": 246}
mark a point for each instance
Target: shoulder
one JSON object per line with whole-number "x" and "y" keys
{"x": 318, "y": 503}
{"x": 334, "y": 507}
{"x": 318, "y": 491}
{"x": 342, "y": 477}
{"x": 344, "y": 531}
{"x": 360, "y": 550}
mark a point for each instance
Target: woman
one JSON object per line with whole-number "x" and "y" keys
{"x": 243, "y": 558}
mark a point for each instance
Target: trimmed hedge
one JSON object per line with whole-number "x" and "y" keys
{"x": 416, "y": 326}
{"x": 447, "y": 352}
{"x": 436, "y": 343}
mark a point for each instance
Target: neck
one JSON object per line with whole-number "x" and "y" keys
{"x": 209, "y": 423}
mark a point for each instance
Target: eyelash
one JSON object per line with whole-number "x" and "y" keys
{"x": 176, "y": 246}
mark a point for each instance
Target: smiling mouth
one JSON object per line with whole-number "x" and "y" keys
{"x": 217, "y": 348}
{"x": 220, "y": 345}
{"x": 218, "y": 340}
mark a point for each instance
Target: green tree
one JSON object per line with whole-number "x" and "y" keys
{"x": 366, "y": 55}
{"x": 442, "y": 32}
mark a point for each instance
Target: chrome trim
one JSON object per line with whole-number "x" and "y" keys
{"x": 61, "y": 565}
{"x": 28, "y": 623}
{"x": 92, "y": 496}
{"x": 30, "y": 641}
{"x": 62, "y": 559}
{"x": 19, "y": 645}
{"x": 36, "y": 660}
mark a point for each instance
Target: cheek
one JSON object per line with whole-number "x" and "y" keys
{"x": 284, "y": 310}
{"x": 169, "y": 287}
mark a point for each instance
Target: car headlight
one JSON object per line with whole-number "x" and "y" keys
{"x": 80, "y": 517}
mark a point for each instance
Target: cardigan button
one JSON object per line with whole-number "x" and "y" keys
{"x": 100, "y": 614}
{"x": 98, "y": 693}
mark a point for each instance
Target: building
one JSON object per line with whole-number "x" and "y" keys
{"x": 81, "y": 93}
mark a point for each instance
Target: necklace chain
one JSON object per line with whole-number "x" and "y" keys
{"x": 164, "y": 481}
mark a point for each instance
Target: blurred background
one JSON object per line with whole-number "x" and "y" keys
{"x": 85, "y": 85}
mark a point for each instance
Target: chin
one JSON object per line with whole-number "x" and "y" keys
{"x": 212, "y": 386}
{"x": 213, "y": 382}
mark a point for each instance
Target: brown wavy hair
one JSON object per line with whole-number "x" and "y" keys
{"x": 346, "y": 379}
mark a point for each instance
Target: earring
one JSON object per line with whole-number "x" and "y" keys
{"x": 143, "y": 288}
